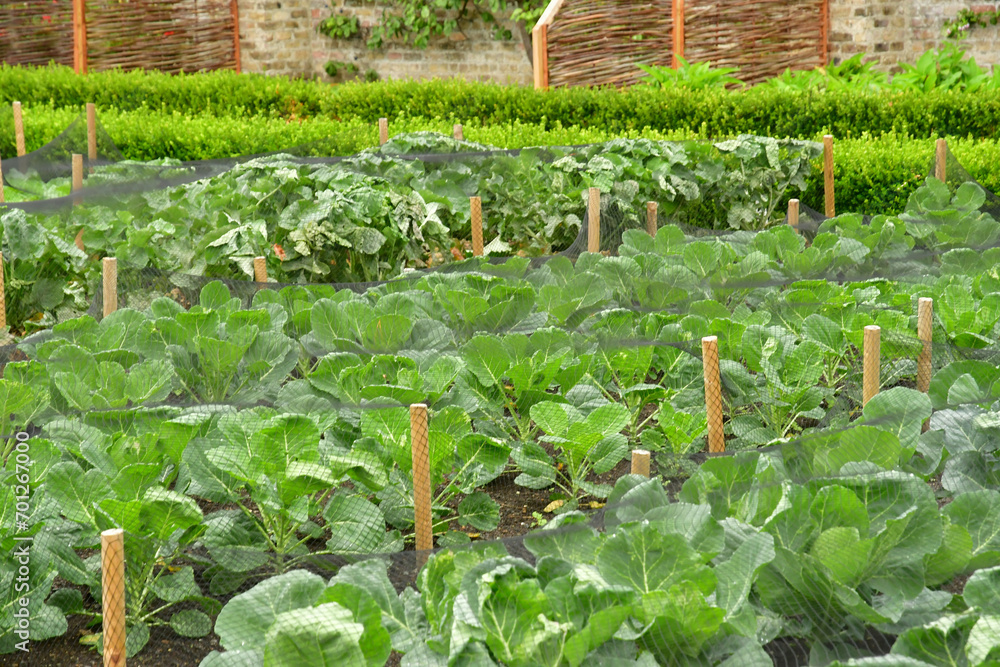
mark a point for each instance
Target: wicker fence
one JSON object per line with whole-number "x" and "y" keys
{"x": 169, "y": 35}
{"x": 600, "y": 42}
{"x": 35, "y": 33}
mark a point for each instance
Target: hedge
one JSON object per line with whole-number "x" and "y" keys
{"x": 873, "y": 174}
{"x": 846, "y": 114}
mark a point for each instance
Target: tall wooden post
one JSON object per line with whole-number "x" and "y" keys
{"x": 594, "y": 220}
{"x": 419, "y": 436}
{"x": 234, "y": 10}
{"x": 18, "y": 129}
{"x": 941, "y": 160}
{"x": 870, "y": 372}
{"x": 383, "y": 131}
{"x": 678, "y": 19}
{"x": 831, "y": 210}
{"x": 80, "y": 36}
{"x": 260, "y": 269}
{"x": 113, "y": 596}
{"x": 1, "y": 183}
{"x": 651, "y": 222}
{"x": 3, "y": 297}
{"x": 713, "y": 393}
{"x": 77, "y": 172}
{"x": 476, "y": 209}
{"x": 109, "y": 271}
{"x": 925, "y": 315}
{"x": 640, "y": 462}
{"x": 540, "y": 55}
{"x": 793, "y": 214}
{"x": 91, "y": 133}
{"x": 457, "y": 132}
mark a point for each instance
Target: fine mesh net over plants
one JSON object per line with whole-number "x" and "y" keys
{"x": 670, "y": 444}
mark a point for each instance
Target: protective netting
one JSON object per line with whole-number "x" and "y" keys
{"x": 647, "y": 444}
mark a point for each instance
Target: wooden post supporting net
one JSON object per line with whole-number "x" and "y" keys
{"x": 77, "y": 172}
{"x": 594, "y": 220}
{"x": 941, "y": 160}
{"x": 3, "y": 297}
{"x": 91, "y": 133}
{"x": 260, "y": 269}
{"x": 640, "y": 462}
{"x": 651, "y": 221}
{"x": 476, "y": 209}
{"x": 793, "y": 214}
{"x": 18, "y": 129}
{"x": 872, "y": 353}
{"x": 828, "y": 196}
{"x": 419, "y": 439}
{"x": 109, "y": 270}
{"x": 113, "y": 596}
{"x": 713, "y": 393}
{"x": 383, "y": 131}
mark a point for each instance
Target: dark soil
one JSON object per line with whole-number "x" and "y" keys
{"x": 164, "y": 648}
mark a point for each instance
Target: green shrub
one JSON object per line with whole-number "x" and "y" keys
{"x": 873, "y": 174}
{"x": 767, "y": 110}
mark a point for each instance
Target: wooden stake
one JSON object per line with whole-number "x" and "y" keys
{"x": 651, "y": 223}
{"x": 260, "y": 269}
{"x": 925, "y": 315}
{"x": 234, "y": 10}
{"x": 109, "y": 270}
{"x": 1, "y": 183}
{"x": 3, "y": 297}
{"x": 476, "y": 207}
{"x": 713, "y": 393}
{"x": 91, "y": 134}
{"x": 678, "y": 19}
{"x": 870, "y": 378}
{"x": 77, "y": 172}
{"x": 793, "y": 215}
{"x": 540, "y": 55}
{"x": 383, "y": 131}
{"x": 640, "y": 462}
{"x": 113, "y": 596}
{"x": 831, "y": 210}
{"x": 594, "y": 220}
{"x": 18, "y": 129}
{"x": 421, "y": 477}
{"x": 80, "y": 36}
{"x": 941, "y": 160}
{"x": 457, "y": 132}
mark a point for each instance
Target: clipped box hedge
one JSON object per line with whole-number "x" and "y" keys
{"x": 845, "y": 114}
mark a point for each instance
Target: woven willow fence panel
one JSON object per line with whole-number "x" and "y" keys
{"x": 169, "y": 35}
{"x": 34, "y": 32}
{"x": 761, "y": 37}
{"x": 600, "y": 42}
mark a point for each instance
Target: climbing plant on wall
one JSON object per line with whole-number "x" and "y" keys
{"x": 416, "y": 22}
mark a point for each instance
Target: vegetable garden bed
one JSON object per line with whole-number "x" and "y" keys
{"x": 256, "y": 441}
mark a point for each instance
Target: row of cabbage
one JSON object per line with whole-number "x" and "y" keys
{"x": 287, "y": 413}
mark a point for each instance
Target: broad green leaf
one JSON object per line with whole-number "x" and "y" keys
{"x": 322, "y": 635}
{"x": 647, "y": 560}
{"x": 246, "y": 619}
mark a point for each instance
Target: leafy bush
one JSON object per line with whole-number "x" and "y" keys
{"x": 691, "y": 76}
{"x": 767, "y": 109}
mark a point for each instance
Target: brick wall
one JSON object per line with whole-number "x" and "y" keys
{"x": 281, "y": 37}
{"x": 892, "y": 31}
